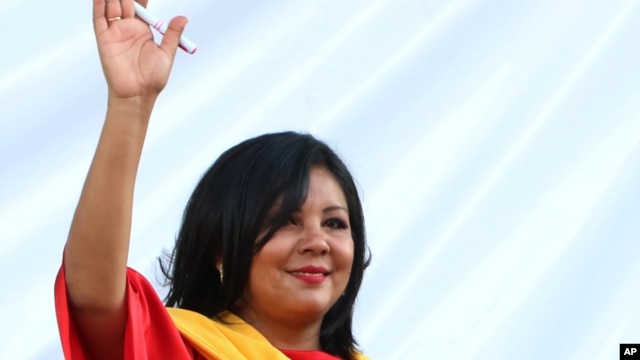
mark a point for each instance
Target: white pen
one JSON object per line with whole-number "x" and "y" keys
{"x": 144, "y": 14}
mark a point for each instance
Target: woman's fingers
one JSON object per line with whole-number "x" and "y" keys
{"x": 99, "y": 21}
{"x": 108, "y": 11}
{"x": 113, "y": 10}
{"x": 128, "y": 11}
{"x": 171, "y": 38}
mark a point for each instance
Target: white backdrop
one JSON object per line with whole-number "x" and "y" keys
{"x": 496, "y": 144}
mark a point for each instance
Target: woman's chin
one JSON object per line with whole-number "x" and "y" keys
{"x": 311, "y": 306}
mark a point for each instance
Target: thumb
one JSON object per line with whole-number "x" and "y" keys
{"x": 171, "y": 38}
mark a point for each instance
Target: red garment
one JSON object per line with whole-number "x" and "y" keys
{"x": 143, "y": 339}
{"x": 308, "y": 355}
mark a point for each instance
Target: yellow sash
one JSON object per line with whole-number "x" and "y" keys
{"x": 232, "y": 340}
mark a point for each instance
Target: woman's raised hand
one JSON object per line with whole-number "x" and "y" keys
{"x": 133, "y": 64}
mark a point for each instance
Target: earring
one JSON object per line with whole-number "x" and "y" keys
{"x": 221, "y": 274}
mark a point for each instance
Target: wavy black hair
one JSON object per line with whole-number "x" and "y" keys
{"x": 227, "y": 212}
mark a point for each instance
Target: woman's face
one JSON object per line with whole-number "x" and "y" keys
{"x": 304, "y": 268}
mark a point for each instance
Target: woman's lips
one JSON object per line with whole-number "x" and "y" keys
{"x": 311, "y": 274}
{"x": 310, "y": 278}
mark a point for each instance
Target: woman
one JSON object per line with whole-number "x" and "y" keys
{"x": 270, "y": 256}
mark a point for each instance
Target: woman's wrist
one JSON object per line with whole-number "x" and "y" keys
{"x": 137, "y": 108}
{"x": 135, "y": 103}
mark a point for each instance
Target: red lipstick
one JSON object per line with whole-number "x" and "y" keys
{"x": 310, "y": 274}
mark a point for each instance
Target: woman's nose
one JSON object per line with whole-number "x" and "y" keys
{"x": 314, "y": 241}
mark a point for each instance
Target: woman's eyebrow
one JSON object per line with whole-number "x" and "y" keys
{"x": 335, "y": 207}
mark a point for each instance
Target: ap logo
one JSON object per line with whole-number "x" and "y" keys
{"x": 629, "y": 351}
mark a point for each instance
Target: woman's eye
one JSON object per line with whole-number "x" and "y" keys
{"x": 336, "y": 224}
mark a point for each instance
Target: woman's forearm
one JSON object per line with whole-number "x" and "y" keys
{"x": 98, "y": 243}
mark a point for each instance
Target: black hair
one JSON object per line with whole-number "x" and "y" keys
{"x": 228, "y": 211}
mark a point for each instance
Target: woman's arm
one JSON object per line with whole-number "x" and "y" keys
{"x": 136, "y": 70}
